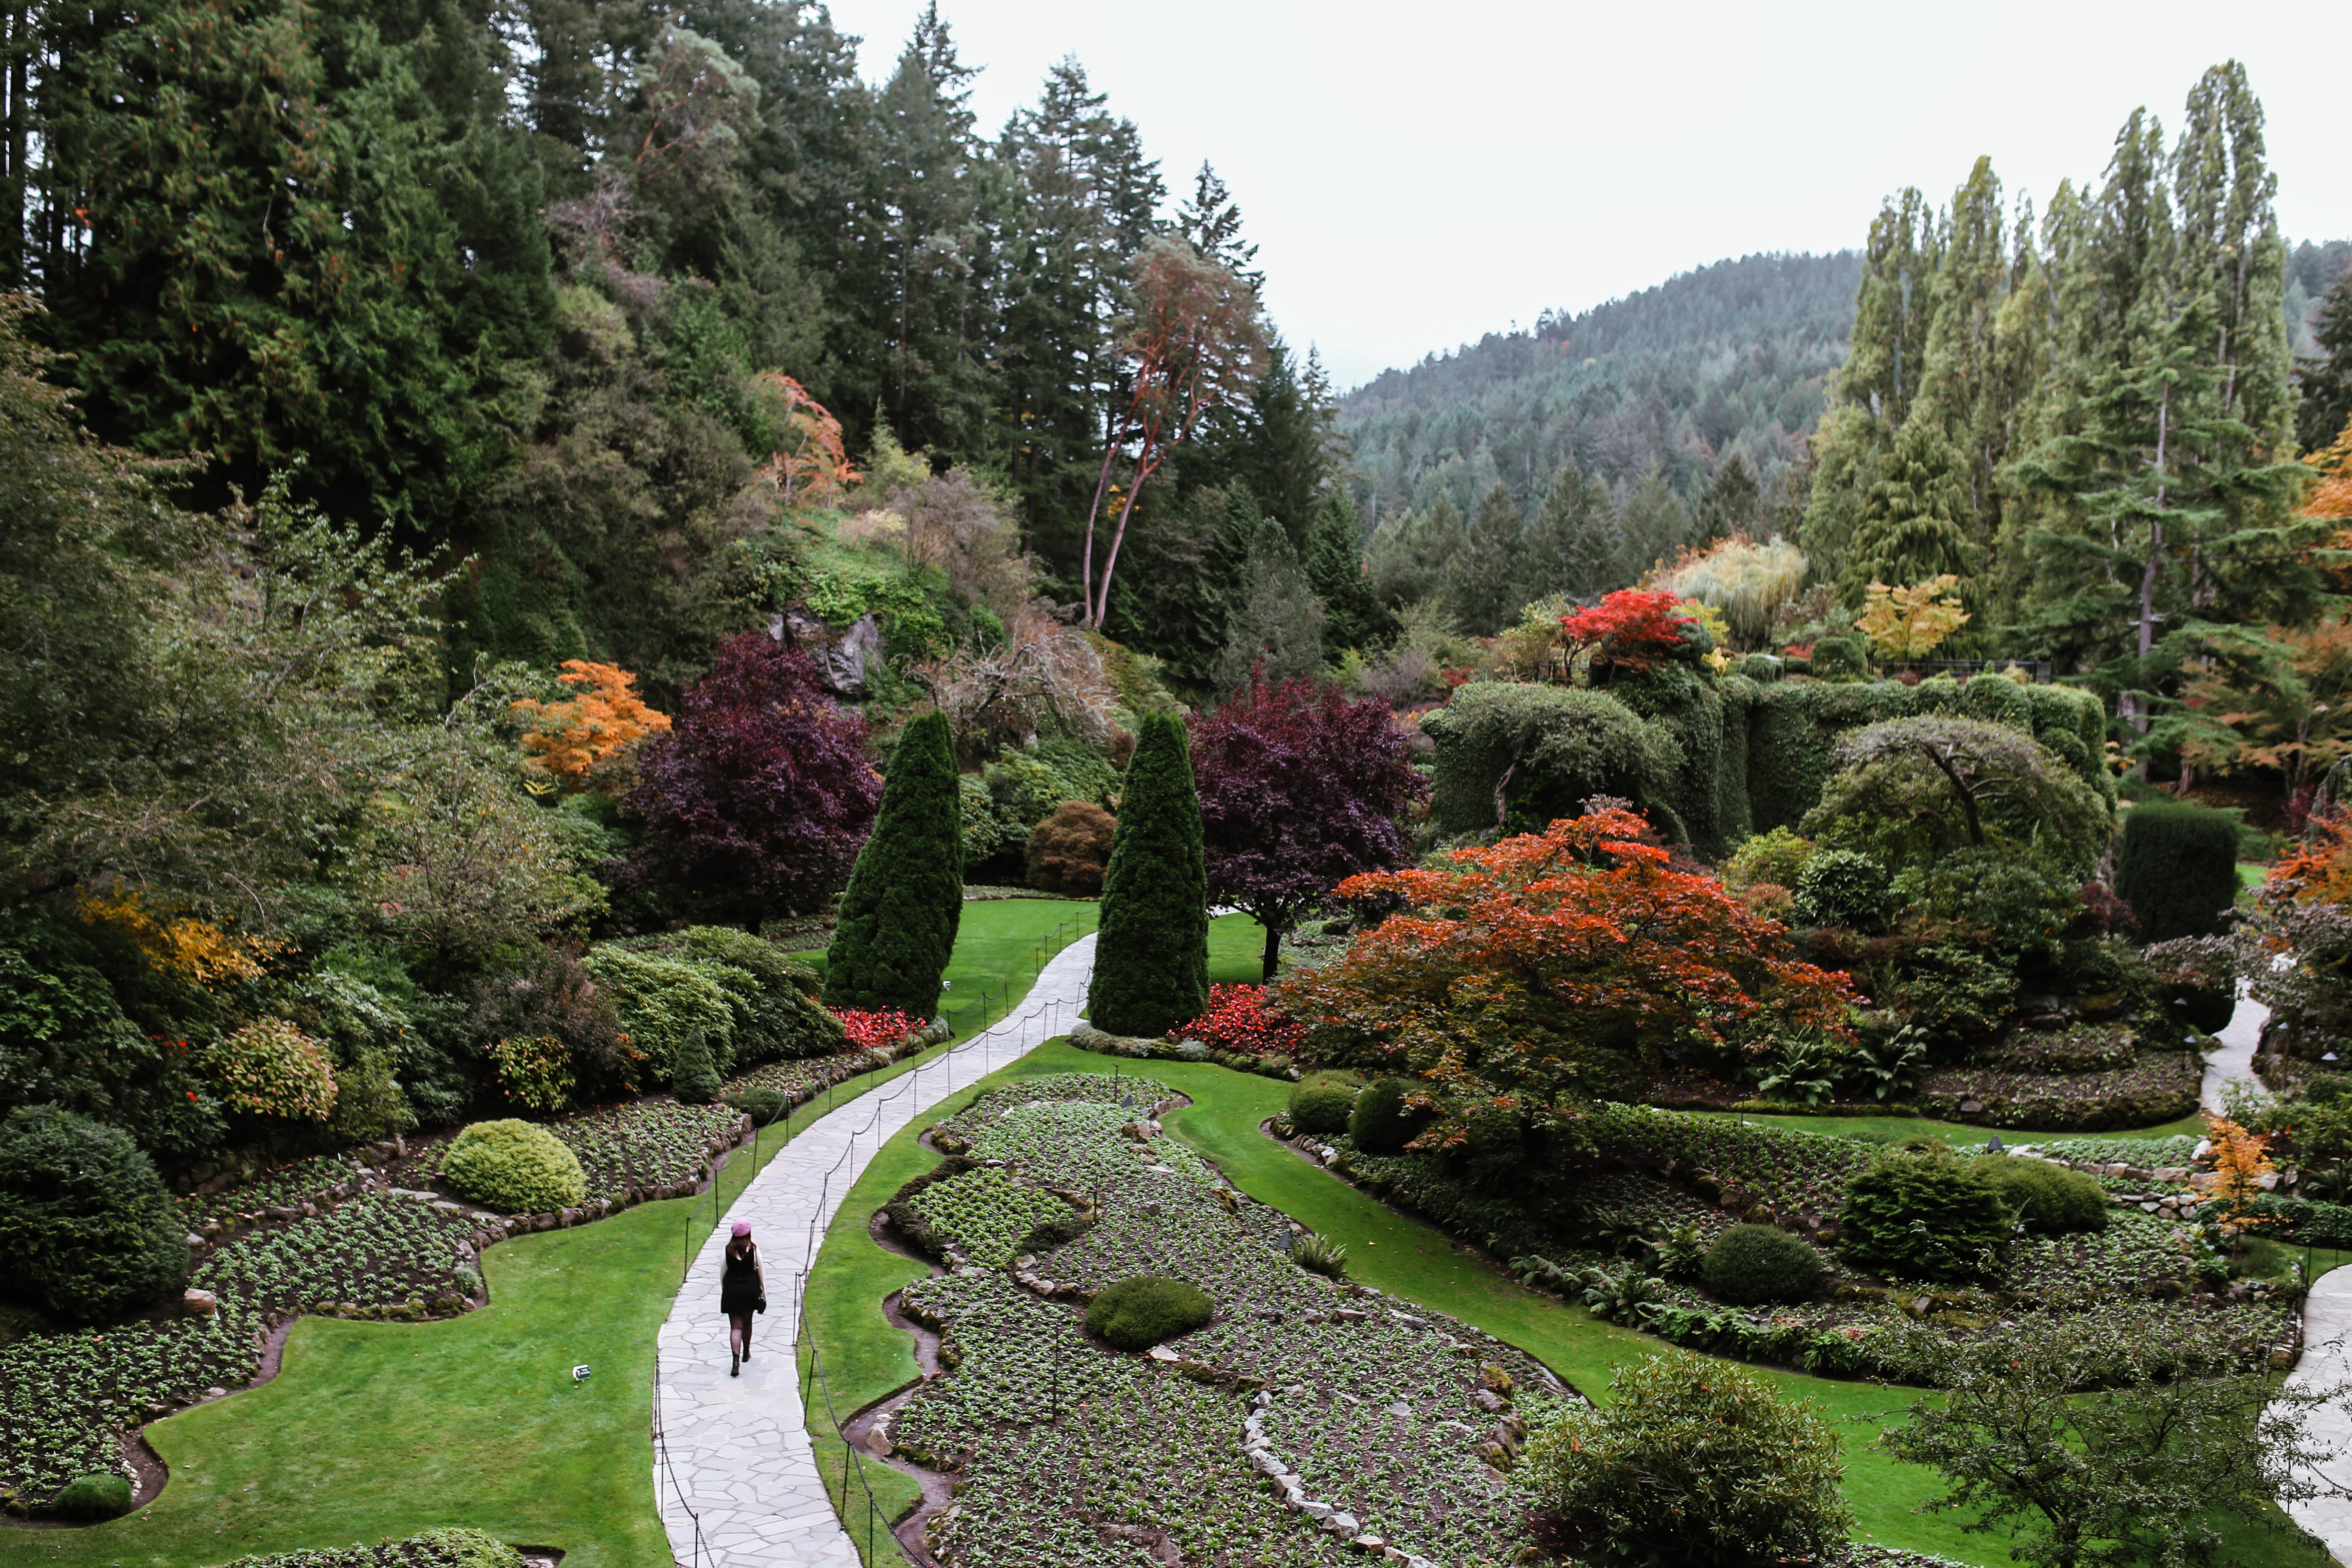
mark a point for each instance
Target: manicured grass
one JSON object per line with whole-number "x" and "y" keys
{"x": 383, "y": 1429}
{"x": 1236, "y": 950}
{"x": 1416, "y": 1261}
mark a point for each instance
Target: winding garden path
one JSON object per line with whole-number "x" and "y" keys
{"x": 2327, "y": 1363}
{"x": 2232, "y": 1055}
{"x": 733, "y": 1462}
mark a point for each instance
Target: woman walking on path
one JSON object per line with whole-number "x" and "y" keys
{"x": 741, "y": 1292}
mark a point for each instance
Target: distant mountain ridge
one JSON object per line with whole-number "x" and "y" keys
{"x": 1736, "y": 356}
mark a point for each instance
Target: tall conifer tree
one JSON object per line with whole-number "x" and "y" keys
{"x": 904, "y": 897}
{"x": 1151, "y": 957}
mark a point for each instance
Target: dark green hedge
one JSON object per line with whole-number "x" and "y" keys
{"x": 1151, "y": 953}
{"x": 2177, "y": 866}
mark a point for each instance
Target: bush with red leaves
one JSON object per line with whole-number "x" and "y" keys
{"x": 877, "y": 1030}
{"x": 756, "y": 801}
{"x": 1300, "y": 790}
{"x": 1238, "y": 1019}
{"x": 1630, "y": 629}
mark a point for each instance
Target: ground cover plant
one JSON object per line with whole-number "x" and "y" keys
{"x": 1063, "y": 1450}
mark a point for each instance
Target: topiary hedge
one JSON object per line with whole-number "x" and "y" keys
{"x": 1321, "y": 1105}
{"x": 1378, "y": 1122}
{"x": 93, "y": 1497}
{"x": 1557, "y": 745}
{"x": 1151, "y": 946}
{"x": 85, "y": 1221}
{"x": 1923, "y": 1213}
{"x": 2050, "y": 1200}
{"x": 2177, "y": 866}
{"x": 514, "y": 1167}
{"x": 1754, "y": 1265}
{"x": 1138, "y": 1313}
{"x": 904, "y": 897}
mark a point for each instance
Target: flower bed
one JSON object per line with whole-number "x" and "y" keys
{"x": 66, "y": 1398}
{"x": 2161, "y": 1086}
{"x": 1072, "y": 1455}
{"x": 646, "y": 1144}
{"x": 433, "y": 1549}
{"x": 2081, "y": 1047}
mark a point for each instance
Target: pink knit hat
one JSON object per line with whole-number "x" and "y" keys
{"x": 742, "y": 1227}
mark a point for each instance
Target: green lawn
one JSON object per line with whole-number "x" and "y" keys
{"x": 867, "y": 1359}
{"x": 383, "y": 1429}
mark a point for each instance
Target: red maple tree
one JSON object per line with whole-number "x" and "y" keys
{"x": 1514, "y": 980}
{"x": 1629, "y": 629}
{"x": 757, "y": 800}
{"x": 1300, "y": 789}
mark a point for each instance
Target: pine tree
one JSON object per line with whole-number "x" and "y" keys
{"x": 1151, "y": 957}
{"x": 1653, "y": 526}
{"x": 904, "y": 897}
{"x": 1277, "y": 628}
{"x": 1352, "y": 617}
{"x": 1481, "y": 581}
{"x": 1409, "y": 552}
{"x": 2327, "y": 380}
{"x": 1733, "y": 501}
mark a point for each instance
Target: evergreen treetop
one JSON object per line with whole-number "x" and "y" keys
{"x": 904, "y": 897}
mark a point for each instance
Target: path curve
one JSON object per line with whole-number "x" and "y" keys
{"x": 734, "y": 1467}
{"x": 2326, "y": 1364}
{"x": 2232, "y": 1055}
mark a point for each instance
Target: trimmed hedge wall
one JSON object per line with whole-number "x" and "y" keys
{"x": 1754, "y": 756}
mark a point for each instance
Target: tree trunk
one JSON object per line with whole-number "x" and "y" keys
{"x": 1272, "y": 956}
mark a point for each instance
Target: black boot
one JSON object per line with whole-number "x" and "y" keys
{"x": 734, "y": 1366}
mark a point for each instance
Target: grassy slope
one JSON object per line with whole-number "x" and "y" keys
{"x": 378, "y": 1429}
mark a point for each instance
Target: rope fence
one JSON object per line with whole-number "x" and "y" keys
{"x": 986, "y": 1041}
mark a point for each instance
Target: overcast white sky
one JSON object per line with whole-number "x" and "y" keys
{"x": 1418, "y": 175}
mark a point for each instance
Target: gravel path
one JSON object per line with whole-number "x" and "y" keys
{"x": 733, "y": 1466}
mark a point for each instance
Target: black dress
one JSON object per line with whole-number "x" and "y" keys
{"x": 739, "y": 1284}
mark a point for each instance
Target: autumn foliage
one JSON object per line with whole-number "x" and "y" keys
{"x": 575, "y": 743}
{"x": 1243, "y": 1019}
{"x": 1629, "y": 629}
{"x": 810, "y": 465}
{"x": 1517, "y": 980}
{"x": 2241, "y": 1159}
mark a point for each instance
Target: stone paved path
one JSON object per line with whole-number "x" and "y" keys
{"x": 2326, "y": 1322}
{"x": 732, "y": 1463}
{"x": 2233, "y": 1055}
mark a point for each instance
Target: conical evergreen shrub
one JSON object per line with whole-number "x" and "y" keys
{"x": 1151, "y": 958}
{"x": 905, "y": 899}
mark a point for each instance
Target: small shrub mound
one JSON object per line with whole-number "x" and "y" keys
{"x": 2050, "y": 1199}
{"x": 1322, "y": 1105}
{"x": 85, "y": 1221}
{"x": 1842, "y": 887}
{"x": 514, "y": 1167}
{"x": 1923, "y": 1213}
{"x": 1068, "y": 850}
{"x": 93, "y": 1497}
{"x": 762, "y": 1104}
{"x": 1380, "y": 1124}
{"x": 1138, "y": 1313}
{"x": 1693, "y": 1462}
{"x": 694, "y": 1077}
{"x": 1751, "y": 1265}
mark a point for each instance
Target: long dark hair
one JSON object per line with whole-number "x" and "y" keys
{"x": 739, "y": 1246}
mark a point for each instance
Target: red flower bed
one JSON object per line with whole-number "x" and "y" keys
{"x": 877, "y": 1030}
{"x": 1239, "y": 1020}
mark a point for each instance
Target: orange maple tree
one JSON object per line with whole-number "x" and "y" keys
{"x": 1513, "y": 980}
{"x": 810, "y": 464}
{"x": 573, "y": 742}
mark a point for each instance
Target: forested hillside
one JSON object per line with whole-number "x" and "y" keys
{"x": 1730, "y": 358}
{"x": 558, "y": 288}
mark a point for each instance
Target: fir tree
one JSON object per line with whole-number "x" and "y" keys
{"x": 1278, "y": 627}
{"x": 1653, "y": 526}
{"x": 1732, "y": 502}
{"x": 1571, "y": 545}
{"x": 1482, "y": 580}
{"x": 1151, "y": 957}
{"x": 1409, "y": 552}
{"x": 1352, "y": 617}
{"x": 2327, "y": 379}
{"x": 904, "y": 897}
{"x": 1914, "y": 524}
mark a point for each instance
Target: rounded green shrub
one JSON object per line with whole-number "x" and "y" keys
{"x": 1137, "y": 1313}
{"x": 85, "y": 1221}
{"x": 1380, "y": 1122}
{"x": 2049, "y": 1199}
{"x": 1842, "y": 887}
{"x": 1751, "y": 1265}
{"x": 1321, "y": 1106}
{"x": 1693, "y": 1461}
{"x": 762, "y": 1104}
{"x": 2177, "y": 866}
{"x": 1923, "y": 1213}
{"x": 514, "y": 1167}
{"x": 104, "y": 1496}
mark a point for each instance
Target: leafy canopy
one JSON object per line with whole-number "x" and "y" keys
{"x": 1912, "y": 790}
